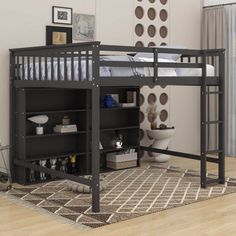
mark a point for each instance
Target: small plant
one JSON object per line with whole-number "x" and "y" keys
{"x": 153, "y": 113}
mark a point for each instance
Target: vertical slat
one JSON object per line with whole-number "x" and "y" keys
{"x": 17, "y": 68}
{"x": 88, "y": 137}
{"x": 40, "y": 68}
{"x": 72, "y": 66}
{"x": 221, "y": 100}
{"x": 196, "y": 59}
{"x": 28, "y": 67}
{"x": 58, "y": 68}
{"x": 87, "y": 65}
{"x": 52, "y": 69}
{"x": 79, "y": 67}
{"x": 65, "y": 67}
{"x": 189, "y": 59}
{"x": 95, "y": 130}
{"x": 13, "y": 109}
{"x": 203, "y": 123}
{"x": 155, "y": 54}
{"x": 23, "y": 68}
{"x": 34, "y": 68}
{"x": 46, "y": 67}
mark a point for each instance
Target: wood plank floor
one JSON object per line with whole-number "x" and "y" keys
{"x": 212, "y": 217}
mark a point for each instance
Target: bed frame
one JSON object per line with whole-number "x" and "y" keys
{"x": 92, "y": 51}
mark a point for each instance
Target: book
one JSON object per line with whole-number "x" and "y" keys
{"x": 65, "y": 129}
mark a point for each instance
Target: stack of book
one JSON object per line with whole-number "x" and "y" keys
{"x": 65, "y": 129}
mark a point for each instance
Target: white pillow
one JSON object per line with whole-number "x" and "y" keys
{"x": 168, "y": 56}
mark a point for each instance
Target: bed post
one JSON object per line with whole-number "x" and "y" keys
{"x": 221, "y": 103}
{"x": 203, "y": 123}
{"x": 95, "y": 130}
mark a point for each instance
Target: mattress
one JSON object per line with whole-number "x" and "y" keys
{"x": 104, "y": 71}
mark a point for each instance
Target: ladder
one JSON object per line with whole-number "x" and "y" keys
{"x": 205, "y": 123}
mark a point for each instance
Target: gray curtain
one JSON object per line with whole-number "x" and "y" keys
{"x": 230, "y": 12}
{"x": 214, "y": 36}
{"x": 219, "y": 31}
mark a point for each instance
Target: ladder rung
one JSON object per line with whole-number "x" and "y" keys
{"x": 214, "y": 122}
{"x": 213, "y": 151}
{"x": 214, "y": 92}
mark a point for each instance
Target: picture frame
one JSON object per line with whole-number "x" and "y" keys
{"x": 56, "y": 35}
{"x": 62, "y": 15}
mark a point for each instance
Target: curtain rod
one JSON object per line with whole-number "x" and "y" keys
{"x": 220, "y": 5}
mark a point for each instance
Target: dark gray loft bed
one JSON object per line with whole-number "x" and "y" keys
{"x": 40, "y": 64}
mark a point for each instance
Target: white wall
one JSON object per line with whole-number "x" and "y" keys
{"x": 216, "y": 2}
{"x": 185, "y": 29}
{"x": 22, "y": 24}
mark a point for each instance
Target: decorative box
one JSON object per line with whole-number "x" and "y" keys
{"x": 119, "y": 161}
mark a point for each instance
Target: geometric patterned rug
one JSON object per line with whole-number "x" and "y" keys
{"x": 130, "y": 193}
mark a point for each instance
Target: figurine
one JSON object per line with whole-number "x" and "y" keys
{"x": 73, "y": 163}
{"x": 58, "y": 164}
{"x": 63, "y": 167}
{"x": 39, "y": 120}
{"x": 53, "y": 165}
{"x": 42, "y": 174}
{"x": 32, "y": 174}
{"x": 119, "y": 142}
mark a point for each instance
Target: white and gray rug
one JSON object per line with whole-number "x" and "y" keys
{"x": 131, "y": 193}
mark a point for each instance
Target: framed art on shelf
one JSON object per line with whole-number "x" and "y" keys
{"x": 62, "y": 15}
{"x": 58, "y": 35}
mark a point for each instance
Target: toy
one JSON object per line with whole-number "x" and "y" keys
{"x": 42, "y": 174}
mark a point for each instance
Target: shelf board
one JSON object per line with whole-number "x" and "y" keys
{"x": 119, "y": 108}
{"x": 119, "y": 128}
{"x": 55, "y": 134}
{"x": 55, "y": 111}
{"x": 53, "y": 156}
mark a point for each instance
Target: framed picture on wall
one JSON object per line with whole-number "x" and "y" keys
{"x": 83, "y": 27}
{"x": 58, "y": 35}
{"x": 62, "y": 15}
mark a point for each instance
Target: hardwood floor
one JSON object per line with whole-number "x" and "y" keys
{"x": 212, "y": 217}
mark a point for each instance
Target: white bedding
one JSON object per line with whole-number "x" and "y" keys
{"x": 108, "y": 71}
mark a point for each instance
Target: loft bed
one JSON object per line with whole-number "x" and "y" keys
{"x": 92, "y": 66}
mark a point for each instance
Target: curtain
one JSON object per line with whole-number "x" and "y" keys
{"x": 214, "y": 31}
{"x": 230, "y": 11}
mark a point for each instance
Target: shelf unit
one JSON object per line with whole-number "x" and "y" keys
{"x": 75, "y": 103}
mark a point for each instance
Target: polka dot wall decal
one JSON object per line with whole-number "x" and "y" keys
{"x": 163, "y": 2}
{"x": 139, "y": 29}
{"x": 163, "y": 31}
{"x": 141, "y": 99}
{"x": 163, "y": 15}
{"x": 141, "y": 134}
{"x": 139, "y": 44}
{"x": 151, "y": 44}
{"x": 151, "y": 30}
{"x": 163, "y": 115}
{"x": 151, "y": 13}
{"x": 152, "y": 1}
{"x": 163, "y": 44}
{"x": 152, "y": 99}
{"x": 163, "y": 99}
{"x": 139, "y": 12}
{"x": 141, "y": 117}
{"x": 163, "y": 86}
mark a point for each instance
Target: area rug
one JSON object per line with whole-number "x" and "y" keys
{"x": 131, "y": 193}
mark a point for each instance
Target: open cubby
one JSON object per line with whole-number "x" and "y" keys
{"x": 76, "y": 104}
